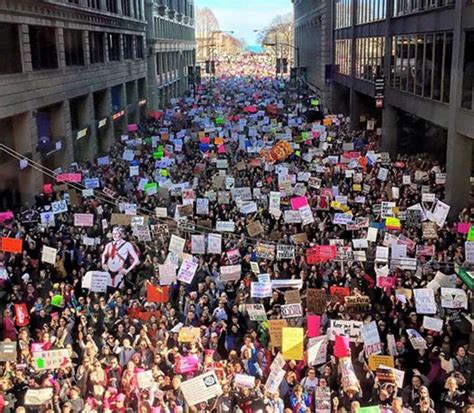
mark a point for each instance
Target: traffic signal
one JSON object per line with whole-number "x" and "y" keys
{"x": 213, "y": 67}
{"x": 278, "y": 66}
{"x": 208, "y": 66}
{"x": 285, "y": 65}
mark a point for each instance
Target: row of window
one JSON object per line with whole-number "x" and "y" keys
{"x": 166, "y": 29}
{"x": 169, "y": 61}
{"x": 44, "y": 49}
{"x": 372, "y": 10}
{"x": 402, "y": 7}
{"x": 343, "y": 56}
{"x": 421, "y": 64}
{"x": 181, "y": 6}
{"x": 130, "y": 8}
{"x": 370, "y": 52}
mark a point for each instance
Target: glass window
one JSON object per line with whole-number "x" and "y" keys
{"x": 113, "y": 44}
{"x": 402, "y": 7}
{"x": 43, "y": 47}
{"x": 73, "y": 47}
{"x": 370, "y": 10}
{"x": 419, "y": 61}
{"x": 139, "y": 43}
{"x": 411, "y": 63}
{"x": 448, "y": 60}
{"x": 468, "y": 72}
{"x": 429, "y": 58}
{"x": 10, "y": 47}
{"x": 127, "y": 46}
{"x": 369, "y": 57}
{"x": 438, "y": 65}
{"x": 96, "y": 47}
{"x": 343, "y": 56}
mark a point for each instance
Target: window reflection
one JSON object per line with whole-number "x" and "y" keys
{"x": 370, "y": 53}
{"x": 343, "y": 13}
{"x": 468, "y": 72}
{"x": 343, "y": 56}
{"x": 421, "y": 64}
{"x": 370, "y": 10}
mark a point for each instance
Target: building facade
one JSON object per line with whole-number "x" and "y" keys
{"x": 420, "y": 54}
{"x": 312, "y": 36}
{"x": 171, "y": 48}
{"x": 75, "y": 73}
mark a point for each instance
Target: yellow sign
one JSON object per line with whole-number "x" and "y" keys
{"x": 189, "y": 334}
{"x": 376, "y": 360}
{"x": 292, "y": 345}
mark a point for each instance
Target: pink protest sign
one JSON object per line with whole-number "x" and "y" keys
{"x": 69, "y": 178}
{"x": 463, "y": 227}
{"x": 187, "y": 365}
{"x": 341, "y": 346}
{"x": 221, "y": 149}
{"x": 48, "y": 189}
{"x": 298, "y": 202}
{"x": 313, "y": 322}
{"x": 132, "y": 127}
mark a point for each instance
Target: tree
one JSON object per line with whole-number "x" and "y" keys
{"x": 206, "y": 26}
{"x": 279, "y": 31}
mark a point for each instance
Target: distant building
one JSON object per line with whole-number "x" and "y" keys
{"x": 312, "y": 36}
{"x": 171, "y": 48}
{"x": 420, "y": 55}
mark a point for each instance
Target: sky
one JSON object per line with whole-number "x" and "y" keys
{"x": 244, "y": 16}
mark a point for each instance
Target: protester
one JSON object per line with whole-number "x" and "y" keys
{"x": 228, "y": 255}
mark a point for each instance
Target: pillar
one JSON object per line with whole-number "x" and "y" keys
{"x": 458, "y": 168}
{"x": 25, "y": 138}
{"x": 390, "y": 130}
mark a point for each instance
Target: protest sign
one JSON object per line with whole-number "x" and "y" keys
{"x": 198, "y": 244}
{"x": 317, "y": 350}
{"x": 51, "y": 359}
{"x": 256, "y": 312}
{"x": 145, "y": 379}
{"x": 316, "y": 301}
{"x": 348, "y": 328}
{"x": 260, "y": 290}
{"x": 11, "y": 245}
{"x": 291, "y": 310}
{"x": 188, "y": 334}
{"x": 433, "y": 324}
{"x": 83, "y": 220}
{"x": 275, "y": 327}
{"x": 48, "y": 255}
{"x": 201, "y": 388}
{"x": 454, "y": 298}
{"x": 254, "y": 228}
{"x": 38, "y": 397}
{"x": 225, "y": 226}
{"x": 292, "y": 343}
{"x": 231, "y": 272}
{"x": 244, "y": 380}
{"x": 424, "y": 301}
{"x": 186, "y": 271}
{"x": 214, "y": 243}
{"x": 322, "y": 400}
{"x": 8, "y": 351}
{"x": 375, "y": 360}
{"x": 371, "y": 337}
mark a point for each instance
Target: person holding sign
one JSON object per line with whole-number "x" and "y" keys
{"x": 115, "y": 256}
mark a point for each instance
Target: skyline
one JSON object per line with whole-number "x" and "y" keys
{"x": 250, "y": 15}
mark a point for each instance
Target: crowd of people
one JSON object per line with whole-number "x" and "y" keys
{"x": 239, "y": 251}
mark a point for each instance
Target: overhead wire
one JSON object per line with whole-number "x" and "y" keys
{"x": 201, "y": 230}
